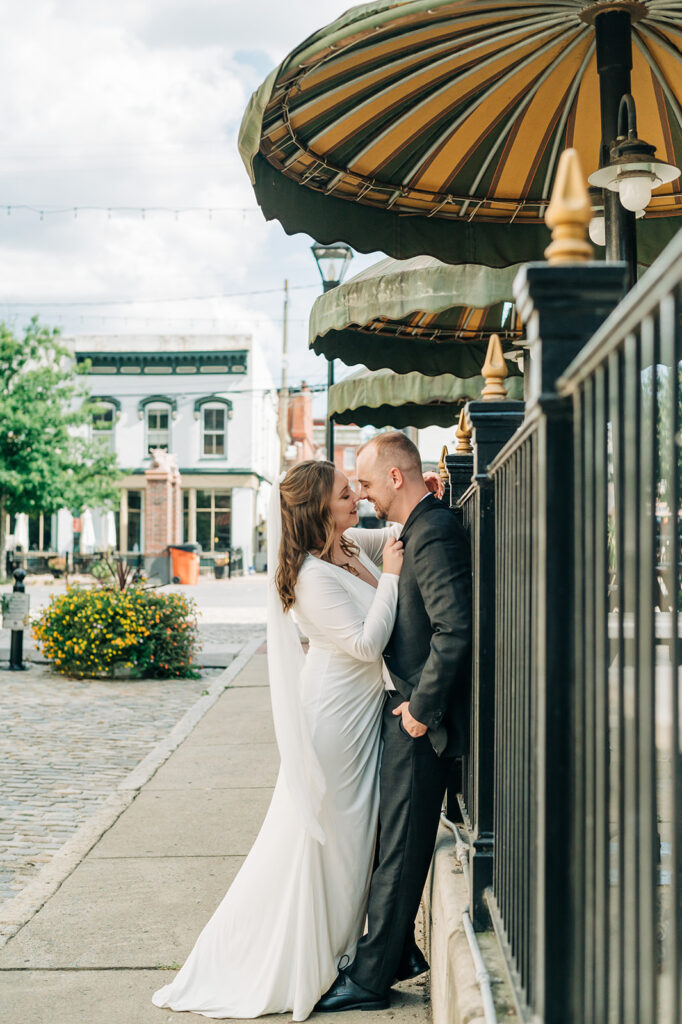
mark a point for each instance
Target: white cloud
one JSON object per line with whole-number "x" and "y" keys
{"x": 137, "y": 104}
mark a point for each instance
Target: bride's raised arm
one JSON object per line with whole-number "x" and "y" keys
{"x": 322, "y": 599}
{"x": 372, "y": 542}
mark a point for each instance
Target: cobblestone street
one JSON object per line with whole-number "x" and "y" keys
{"x": 65, "y": 744}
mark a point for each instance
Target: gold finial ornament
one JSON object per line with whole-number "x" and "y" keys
{"x": 463, "y": 435}
{"x": 569, "y": 213}
{"x": 444, "y": 475}
{"x": 494, "y": 370}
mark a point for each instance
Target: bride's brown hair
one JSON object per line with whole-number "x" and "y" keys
{"x": 307, "y": 523}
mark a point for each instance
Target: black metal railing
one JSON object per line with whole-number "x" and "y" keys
{"x": 470, "y": 506}
{"x": 583, "y": 507}
{"x": 514, "y": 897}
{"x": 627, "y": 766}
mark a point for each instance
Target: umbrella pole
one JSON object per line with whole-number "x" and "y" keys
{"x": 614, "y": 63}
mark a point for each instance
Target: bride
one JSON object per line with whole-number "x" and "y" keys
{"x": 298, "y": 903}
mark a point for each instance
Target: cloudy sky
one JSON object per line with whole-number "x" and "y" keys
{"x": 137, "y": 104}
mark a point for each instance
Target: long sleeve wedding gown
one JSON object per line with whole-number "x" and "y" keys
{"x": 297, "y": 905}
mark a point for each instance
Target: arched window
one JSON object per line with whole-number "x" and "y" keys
{"x": 157, "y": 411}
{"x": 105, "y": 413}
{"x": 214, "y": 412}
{"x": 158, "y": 427}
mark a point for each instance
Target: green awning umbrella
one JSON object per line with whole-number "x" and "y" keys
{"x": 382, "y": 398}
{"x": 435, "y": 126}
{"x": 417, "y": 315}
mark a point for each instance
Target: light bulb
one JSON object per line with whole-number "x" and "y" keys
{"x": 597, "y": 230}
{"x": 635, "y": 191}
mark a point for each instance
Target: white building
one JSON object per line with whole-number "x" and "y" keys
{"x": 207, "y": 399}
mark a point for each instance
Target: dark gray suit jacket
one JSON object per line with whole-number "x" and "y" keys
{"x": 429, "y": 651}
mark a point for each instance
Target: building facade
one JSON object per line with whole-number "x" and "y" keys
{"x": 209, "y": 401}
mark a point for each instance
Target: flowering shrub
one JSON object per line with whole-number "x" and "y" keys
{"x": 99, "y": 632}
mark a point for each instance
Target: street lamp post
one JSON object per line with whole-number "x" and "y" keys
{"x": 332, "y": 262}
{"x": 628, "y": 169}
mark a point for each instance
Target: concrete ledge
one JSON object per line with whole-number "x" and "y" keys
{"x": 455, "y": 995}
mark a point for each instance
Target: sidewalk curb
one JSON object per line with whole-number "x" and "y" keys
{"x": 18, "y": 911}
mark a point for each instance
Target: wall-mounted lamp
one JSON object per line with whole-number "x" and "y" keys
{"x": 633, "y": 171}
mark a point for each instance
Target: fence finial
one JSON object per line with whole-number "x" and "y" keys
{"x": 494, "y": 370}
{"x": 442, "y": 469}
{"x": 569, "y": 213}
{"x": 463, "y": 435}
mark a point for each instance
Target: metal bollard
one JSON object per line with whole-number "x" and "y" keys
{"x": 16, "y": 650}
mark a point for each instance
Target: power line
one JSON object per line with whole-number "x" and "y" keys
{"x": 143, "y": 302}
{"x": 227, "y": 392}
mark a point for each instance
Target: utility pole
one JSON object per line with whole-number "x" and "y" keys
{"x": 284, "y": 391}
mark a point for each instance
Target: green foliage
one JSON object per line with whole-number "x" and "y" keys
{"x": 115, "y": 571}
{"x": 47, "y": 459}
{"x": 99, "y": 632}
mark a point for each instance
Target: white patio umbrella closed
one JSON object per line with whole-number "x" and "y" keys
{"x": 110, "y": 539}
{"x": 88, "y": 539}
{"x": 21, "y": 531}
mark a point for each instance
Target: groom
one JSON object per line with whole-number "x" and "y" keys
{"x": 425, "y": 716}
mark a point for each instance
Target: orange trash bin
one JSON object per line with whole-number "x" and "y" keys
{"x": 185, "y": 563}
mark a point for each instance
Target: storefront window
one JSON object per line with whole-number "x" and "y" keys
{"x": 214, "y": 520}
{"x": 47, "y": 532}
{"x": 185, "y": 516}
{"x": 39, "y": 531}
{"x": 134, "y": 536}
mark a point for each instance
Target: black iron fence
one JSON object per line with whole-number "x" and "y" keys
{"x": 627, "y": 765}
{"x": 576, "y": 726}
{"x": 513, "y": 899}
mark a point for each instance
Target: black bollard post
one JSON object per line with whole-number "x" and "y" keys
{"x": 16, "y": 650}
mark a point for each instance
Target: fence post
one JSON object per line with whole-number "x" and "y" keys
{"x": 492, "y": 421}
{"x": 562, "y": 303}
{"x": 445, "y": 476}
{"x": 460, "y": 466}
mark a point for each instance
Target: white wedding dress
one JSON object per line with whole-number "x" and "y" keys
{"x": 298, "y": 905}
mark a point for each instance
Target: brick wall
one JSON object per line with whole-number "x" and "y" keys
{"x": 163, "y": 507}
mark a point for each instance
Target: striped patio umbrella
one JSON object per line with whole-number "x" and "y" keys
{"x": 417, "y": 315}
{"x": 435, "y": 126}
{"x": 382, "y": 398}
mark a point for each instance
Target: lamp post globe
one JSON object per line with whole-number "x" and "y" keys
{"x": 632, "y": 170}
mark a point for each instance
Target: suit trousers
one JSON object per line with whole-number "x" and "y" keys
{"x": 412, "y": 786}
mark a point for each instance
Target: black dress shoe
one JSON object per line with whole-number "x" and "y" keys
{"x": 344, "y": 994}
{"x": 411, "y": 965}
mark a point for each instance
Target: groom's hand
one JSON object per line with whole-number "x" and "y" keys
{"x": 410, "y": 724}
{"x": 434, "y": 483}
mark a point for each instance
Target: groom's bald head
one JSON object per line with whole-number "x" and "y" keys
{"x": 395, "y": 449}
{"x": 389, "y": 470}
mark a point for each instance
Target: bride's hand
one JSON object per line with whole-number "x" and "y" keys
{"x": 393, "y": 556}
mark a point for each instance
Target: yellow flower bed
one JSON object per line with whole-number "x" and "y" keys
{"x": 99, "y": 632}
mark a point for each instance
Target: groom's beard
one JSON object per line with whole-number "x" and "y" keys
{"x": 380, "y": 511}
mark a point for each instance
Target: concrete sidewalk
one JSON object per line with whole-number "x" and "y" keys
{"x": 131, "y": 909}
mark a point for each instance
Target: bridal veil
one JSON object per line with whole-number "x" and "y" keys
{"x": 300, "y": 765}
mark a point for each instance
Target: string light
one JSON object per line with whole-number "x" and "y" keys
{"x": 143, "y": 302}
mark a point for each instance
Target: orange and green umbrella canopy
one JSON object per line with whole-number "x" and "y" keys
{"x": 381, "y": 398}
{"x": 435, "y": 126}
{"x": 417, "y": 315}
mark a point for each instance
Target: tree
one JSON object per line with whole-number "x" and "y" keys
{"x": 47, "y": 458}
